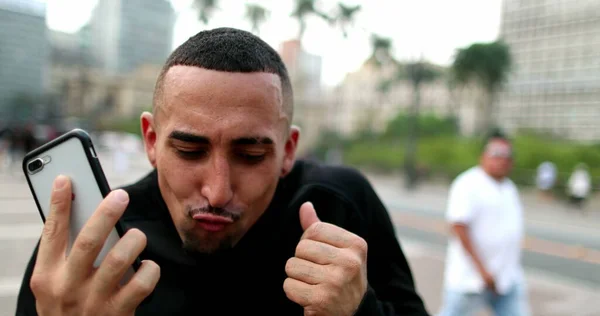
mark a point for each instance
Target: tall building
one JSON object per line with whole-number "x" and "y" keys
{"x": 304, "y": 71}
{"x": 126, "y": 34}
{"x": 23, "y": 51}
{"x": 555, "y": 85}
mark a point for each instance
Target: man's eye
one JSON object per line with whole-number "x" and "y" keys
{"x": 252, "y": 158}
{"x": 191, "y": 154}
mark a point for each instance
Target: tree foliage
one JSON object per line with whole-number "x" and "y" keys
{"x": 487, "y": 63}
{"x": 205, "y": 9}
{"x": 256, "y": 15}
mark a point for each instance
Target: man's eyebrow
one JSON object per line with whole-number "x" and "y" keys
{"x": 188, "y": 137}
{"x": 253, "y": 141}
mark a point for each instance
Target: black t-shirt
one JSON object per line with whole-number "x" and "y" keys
{"x": 248, "y": 280}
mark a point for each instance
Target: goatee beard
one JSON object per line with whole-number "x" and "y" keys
{"x": 195, "y": 246}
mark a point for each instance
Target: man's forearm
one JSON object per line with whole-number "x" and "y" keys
{"x": 462, "y": 231}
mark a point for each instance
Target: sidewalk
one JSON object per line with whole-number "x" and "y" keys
{"x": 548, "y": 296}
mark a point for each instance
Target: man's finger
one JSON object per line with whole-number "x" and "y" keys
{"x": 139, "y": 287}
{"x": 93, "y": 235}
{"x": 308, "y": 215}
{"x": 334, "y": 235}
{"x": 55, "y": 235}
{"x": 298, "y": 291}
{"x": 116, "y": 263}
{"x": 317, "y": 252}
{"x": 305, "y": 271}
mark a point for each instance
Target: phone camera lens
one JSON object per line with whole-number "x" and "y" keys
{"x": 35, "y": 165}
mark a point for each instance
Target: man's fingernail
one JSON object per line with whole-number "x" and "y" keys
{"x": 60, "y": 183}
{"x": 120, "y": 196}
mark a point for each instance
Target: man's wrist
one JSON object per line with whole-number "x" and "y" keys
{"x": 363, "y": 308}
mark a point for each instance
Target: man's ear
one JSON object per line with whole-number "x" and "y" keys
{"x": 290, "y": 150}
{"x": 149, "y": 136}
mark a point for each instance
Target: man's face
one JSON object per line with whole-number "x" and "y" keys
{"x": 497, "y": 159}
{"x": 220, "y": 141}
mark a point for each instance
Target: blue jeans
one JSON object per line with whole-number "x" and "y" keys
{"x": 513, "y": 303}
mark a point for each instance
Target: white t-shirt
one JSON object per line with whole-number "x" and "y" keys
{"x": 492, "y": 210}
{"x": 579, "y": 184}
{"x": 546, "y": 175}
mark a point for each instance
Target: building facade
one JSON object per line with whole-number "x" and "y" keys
{"x": 108, "y": 68}
{"x": 304, "y": 70}
{"x": 23, "y": 53}
{"x": 125, "y": 34}
{"x": 555, "y": 84}
{"x": 358, "y": 104}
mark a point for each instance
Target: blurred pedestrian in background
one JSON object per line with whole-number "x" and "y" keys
{"x": 546, "y": 179}
{"x": 15, "y": 148}
{"x": 28, "y": 140}
{"x": 15, "y": 142}
{"x": 483, "y": 266}
{"x": 4, "y": 133}
{"x": 579, "y": 185}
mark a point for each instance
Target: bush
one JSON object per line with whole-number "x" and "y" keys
{"x": 444, "y": 156}
{"x": 127, "y": 125}
{"x": 378, "y": 156}
{"x": 448, "y": 156}
{"x": 429, "y": 125}
{"x": 531, "y": 151}
{"x": 442, "y": 152}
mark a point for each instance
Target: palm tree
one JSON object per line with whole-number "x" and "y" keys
{"x": 382, "y": 61}
{"x": 205, "y": 9}
{"x": 257, "y": 15}
{"x": 345, "y": 17}
{"x": 302, "y": 10}
{"x": 417, "y": 73}
{"x": 489, "y": 64}
{"x": 381, "y": 51}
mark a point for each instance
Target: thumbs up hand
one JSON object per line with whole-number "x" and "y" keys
{"x": 328, "y": 274}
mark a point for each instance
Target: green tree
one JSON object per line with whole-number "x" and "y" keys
{"x": 302, "y": 10}
{"x": 256, "y": 15}
{"x": 345, "y": 17}
{"x": 205, "y": 8}
{"x": 382, "y": 60}
{"x": 381, "y": 54}
{"x": 489, "y": 65}
{"x": 418, "y": 73}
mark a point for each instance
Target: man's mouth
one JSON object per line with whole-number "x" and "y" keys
{"x": 212, "y": 223}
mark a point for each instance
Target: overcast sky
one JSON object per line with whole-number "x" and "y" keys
{"x": 432, "y": 28}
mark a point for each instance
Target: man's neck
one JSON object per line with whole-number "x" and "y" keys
{"x": 497, "y": 179}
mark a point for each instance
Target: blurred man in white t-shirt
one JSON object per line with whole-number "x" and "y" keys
{"x": 483, "y": 266}
{"x": 546, "y": 179}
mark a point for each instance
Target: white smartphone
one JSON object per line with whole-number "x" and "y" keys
{"x": 73, "y": 155}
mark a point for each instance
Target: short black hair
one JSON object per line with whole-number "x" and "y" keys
{"x": 230, "y": 50}
{"x": 494, "y": 134}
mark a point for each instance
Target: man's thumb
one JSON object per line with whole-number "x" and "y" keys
{"x": 308, "y": 215}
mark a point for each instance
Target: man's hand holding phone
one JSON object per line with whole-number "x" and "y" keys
{"x": 70, "y": 285}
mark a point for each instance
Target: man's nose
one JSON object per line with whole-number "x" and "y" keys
{"x": 217, "y": 185}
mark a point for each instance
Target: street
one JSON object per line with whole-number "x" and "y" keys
{"x": 562, "y": 261}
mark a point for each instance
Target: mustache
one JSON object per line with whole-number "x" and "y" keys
{"x": 218, "y": 211}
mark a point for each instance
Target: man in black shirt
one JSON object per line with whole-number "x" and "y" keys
{"x": 228, "y": 222}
